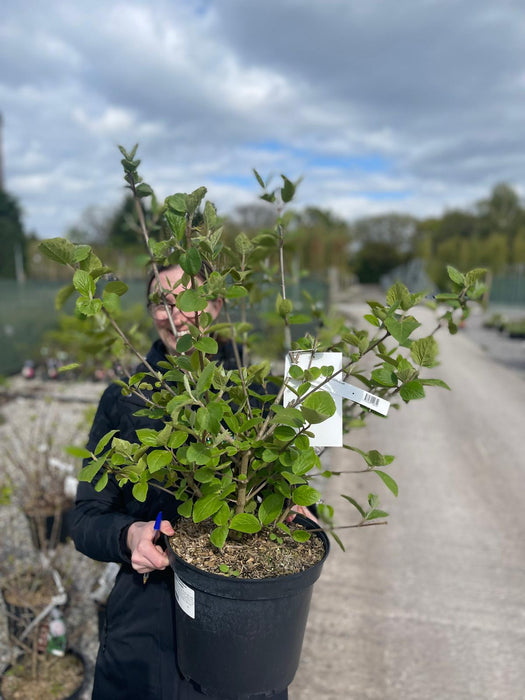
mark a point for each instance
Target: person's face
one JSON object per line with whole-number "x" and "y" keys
{"x": 170, "y": 288}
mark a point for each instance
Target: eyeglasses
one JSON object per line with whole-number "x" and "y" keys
{"x": 161, "y": 310}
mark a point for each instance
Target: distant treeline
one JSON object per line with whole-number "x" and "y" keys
{"x": 490, "y": 233}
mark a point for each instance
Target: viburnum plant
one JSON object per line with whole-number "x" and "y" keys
{"x": 229, "y": 450}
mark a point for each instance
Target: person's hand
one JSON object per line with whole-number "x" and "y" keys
{"x": 302, "y": 510}
{"x": 145, "y": 555}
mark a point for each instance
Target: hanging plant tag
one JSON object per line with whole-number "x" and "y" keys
{"x": 185, "y": 597}
{"x": 308, "y": 366}
{"x": 360, "y": 396}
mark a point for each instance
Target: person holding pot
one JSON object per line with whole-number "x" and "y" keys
{"x": 137, "y": 655}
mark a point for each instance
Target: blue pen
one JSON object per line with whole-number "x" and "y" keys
{"x": 156, "y": 533}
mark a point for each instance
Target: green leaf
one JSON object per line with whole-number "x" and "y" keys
{"x": 455, "y": 275}
{"x": 157, "y": 459}
{"x": 88, "y": 472}
{"x": 301, "y": 535}
{"x": 58, "y": 249}
{"x": 372, "y": 319}
{"x": 424, "y": 351}
{"x": 191, "y": 300}
{"x": 207, "y": 345}
{"x": 283, "y": 306}
{"x": 63, "y": 295}
{"x": 259, "y": 178}
{"x": 447, "y": 296}
{"x": 304, "y": 462}
{"x": 295, "y": 372}
{"x": 398, "y": 294}
{"x": 88, "y": 307}
{"x": 198, "y": 453}
{"x": 236, "y": 292}
{"x": 401, "y": 329}
{"x": 177, "y": 224}
{"x": 384, "y": 377}
{"x": 143, "y": 190}
{"x": 288, "y": 416}
{"x": 177, "y": 438}
{"x": 177, "y": 202}
{"x": 375, "y": 513}
{"x": 205, "y": 378}
{"x": 81, "y": 252}
{"x": 293, "y": 479}
{"x": 102, "y": 482}
{"x": 242, "y": 243}
{"x": 104, "y": 441}
{"x": 194, "y": 199}
{"x": 80, "y": 452}
{"x": 222, "y": 516}
{"x": 205, "y": 507}
{"x": 271, "y": 508}
{"x": 84, "y": 283}
{"x": 184, "y": 343}
{"x": 284, "y": 433}
{"x": 219, "y": 535}
{"x": 318, "y": 406}
{"x": 389, "y": 482}
{"x": 204, "y": 475}
{"x": 287, "y": 190}
{"x": 355, "y": 504}
{"x": 191, "y": 261}
{"x": 111, "y": 302}
{"x": 116, "y": 287}
{"x": 245, "y": 522}
{"x": 435, "y": 382}
{"x": 305, "y": 496}
{"x": 147, "y": 436}
{"x": 184, "y": 510}
{"x": 140, "y": 491}
{"x": 412, "y": 390}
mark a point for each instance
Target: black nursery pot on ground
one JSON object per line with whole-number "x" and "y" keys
{"x": 50, "y": 529}
{"x": 241, "y": 637}
{"x": 62, "y": 678}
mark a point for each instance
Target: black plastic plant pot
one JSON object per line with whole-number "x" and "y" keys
{"x": 76, "y": 694}
{"x": 19, "y": 617}
{"x": 49, "y": 530}
{"x": 241, "y": 637}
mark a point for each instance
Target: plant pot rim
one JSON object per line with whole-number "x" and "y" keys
{"x": 222, "y": 584}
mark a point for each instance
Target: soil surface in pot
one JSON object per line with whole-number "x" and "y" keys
{"x": 30, "y": 589}
{"x": 252, "y": 557}
{"x": 58, "y": 678}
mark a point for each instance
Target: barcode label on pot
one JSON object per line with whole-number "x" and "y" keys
{"x": 185, "y": 597}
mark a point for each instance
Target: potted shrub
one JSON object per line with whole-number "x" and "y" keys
{"x": 41, "y": 663}
{"x": 239, "y": 447}
{"x": 42, "y": 483}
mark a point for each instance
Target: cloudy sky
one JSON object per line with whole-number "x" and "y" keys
{"x": 414, "y": 105}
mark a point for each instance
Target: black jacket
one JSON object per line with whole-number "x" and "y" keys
{"x": 137, "y": 657}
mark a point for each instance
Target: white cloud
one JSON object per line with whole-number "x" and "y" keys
{"x": 411, "y": 107}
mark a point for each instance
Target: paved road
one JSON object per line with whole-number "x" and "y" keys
{"x": 432, "y": 606}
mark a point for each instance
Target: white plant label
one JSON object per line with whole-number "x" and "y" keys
{"x": 329, "y": 433}
{"x": 185, "y": 597}
{"x": 360, "y": 396}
